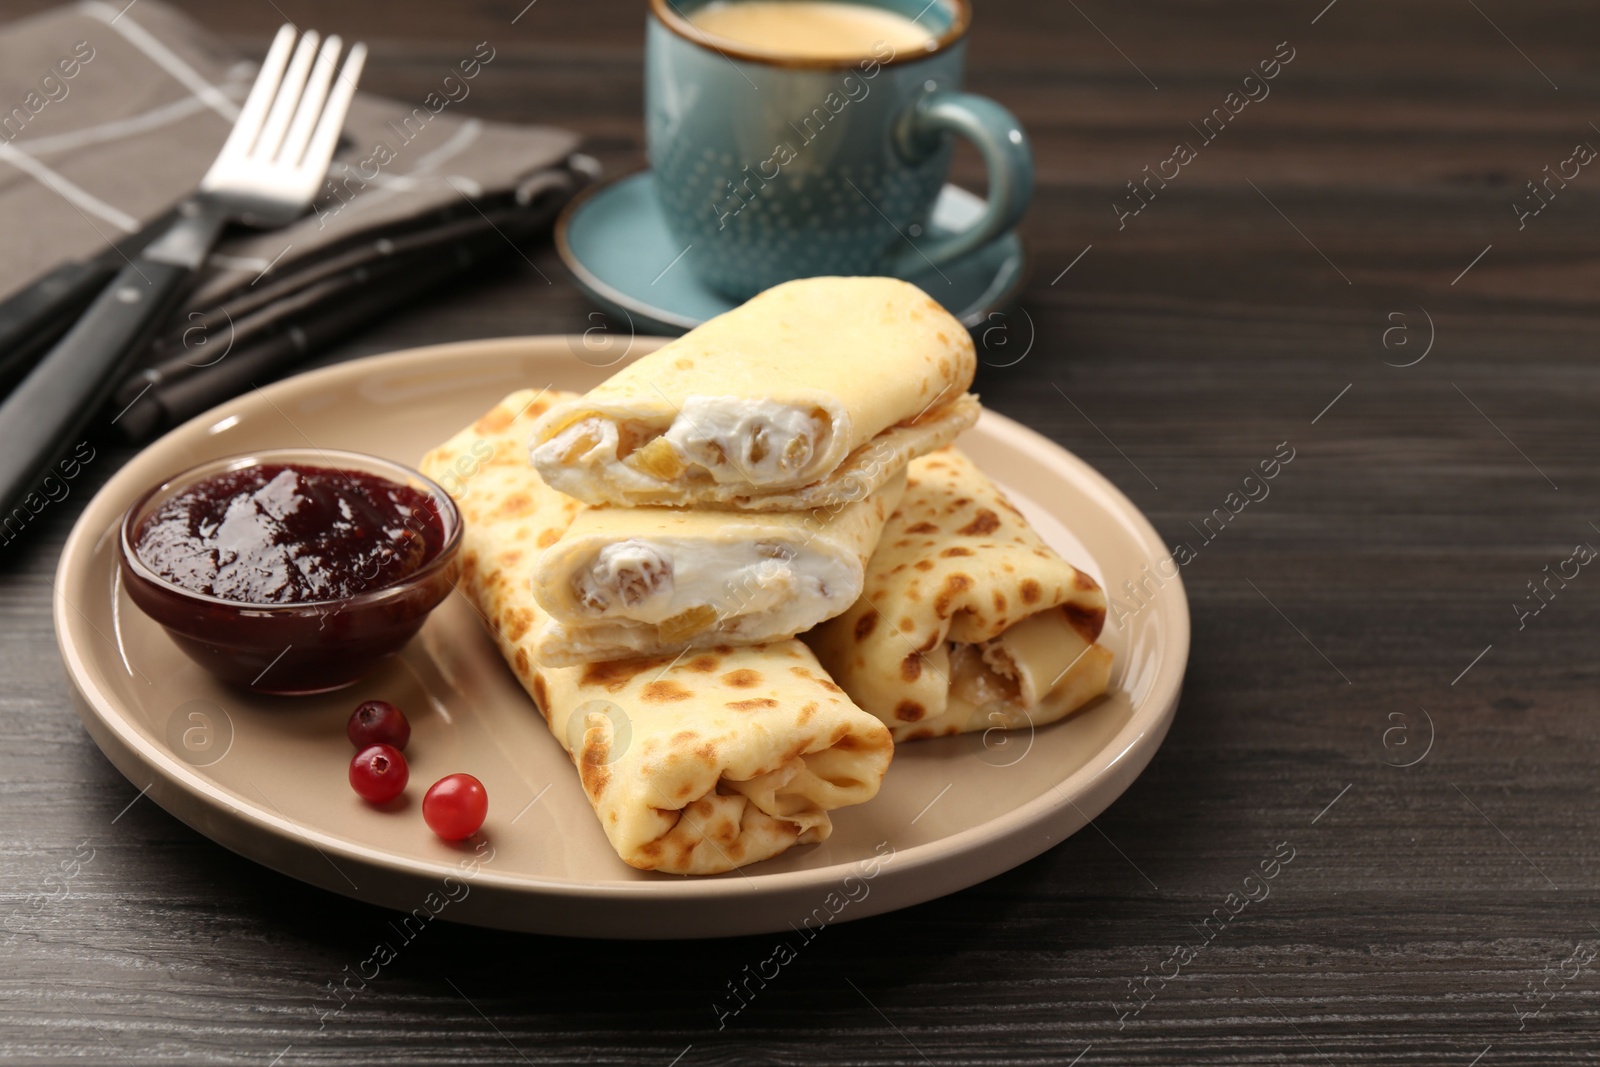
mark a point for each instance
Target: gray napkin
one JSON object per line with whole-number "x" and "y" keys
{"x": 109, "y": 114}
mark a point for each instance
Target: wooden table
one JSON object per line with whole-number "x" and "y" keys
{"x": 1341, "y": 269}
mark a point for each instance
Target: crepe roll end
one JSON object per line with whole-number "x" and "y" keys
{"x": 704, "y": 440}
{"x": 648, "y": 593}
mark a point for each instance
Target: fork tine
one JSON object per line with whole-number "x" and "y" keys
{"x": 320, "y": 151}
{"x": 248, "y": 124}
{"x": 294, "y": 80}
{"x": 305, "y": 115}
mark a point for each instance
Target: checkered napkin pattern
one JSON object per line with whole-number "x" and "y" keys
{"x": 109, "y": 114}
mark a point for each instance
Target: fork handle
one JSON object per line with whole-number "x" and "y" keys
{"x": 52, "y": 407}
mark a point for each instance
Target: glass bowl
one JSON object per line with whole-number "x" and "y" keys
{"x": 299, "y": 648}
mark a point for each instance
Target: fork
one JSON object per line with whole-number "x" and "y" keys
{"x": 266, "y": 176}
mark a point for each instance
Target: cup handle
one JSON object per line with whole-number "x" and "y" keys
{"x": 1004, "y": 146}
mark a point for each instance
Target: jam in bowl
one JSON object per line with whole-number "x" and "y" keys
{"x": 291, "y": 570}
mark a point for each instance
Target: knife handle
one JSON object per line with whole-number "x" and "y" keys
{"x": 55, "y": 403}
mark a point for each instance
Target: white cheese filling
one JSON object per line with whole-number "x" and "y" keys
{"x": 736, "y": 439}
{"x": 716, "y": 438}
{"x": 754, "y": 586}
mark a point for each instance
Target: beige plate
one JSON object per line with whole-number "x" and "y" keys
{"x": 266, "y": 776}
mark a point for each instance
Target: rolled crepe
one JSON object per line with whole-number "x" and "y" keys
{"x": 694, "y": 765}
{"x": 646, "y": 581}
{"x": 969, "y": 620}
{"x": 814, "y": 391}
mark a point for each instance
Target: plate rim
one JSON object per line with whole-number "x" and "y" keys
{"x": 1134, "y": 743}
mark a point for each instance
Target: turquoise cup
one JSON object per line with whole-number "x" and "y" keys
{"x": 771, "y": 167}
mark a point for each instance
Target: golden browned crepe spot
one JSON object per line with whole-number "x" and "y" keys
{"x": 952, "y": 553}
{"x": 664, "y": 691}
{"x": 541, "y": 697}
{"x": 954, "y": 586}
{"x": 519, "y": 623}
{"x": 794, "y": 753}
{"x": 616, "y": 674}
{"x": 911, "y": 667}
{"x": 592, "y": 765}
{"x": 984, "y": 522}
{"x": 743, "y": 678}
{"x": 807, "y": 710}
{"x": 909, "y": 711}
{"x": 753, "y": 704}
{"x": 512, "y": 506}
{"x": 1084, "y": 583}
{"x": 548, "y": 538}
{"x": 1030, "y": 591}
{"x": 1088, "y": 622}
{"x": 999, "y": 601}
{"x": 494, "y": 422}
{"x": 683, "y": 364}
{"x": 907, "y": 625}
{"x": 703, "y": 664}
{"x": 510, "y": 558}
{"x": 924, "y": 564}
{"x": 919, "y": 528}
{"x": 865, "y": 624}
{"x": 829, "y": 686}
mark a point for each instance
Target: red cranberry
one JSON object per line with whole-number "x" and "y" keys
{"x": 455, "y": 806}
{"x": 379, "y": 773}
{"x": 378, "y": 722}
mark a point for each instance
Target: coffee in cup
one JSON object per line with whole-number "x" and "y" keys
{"x": 799, "y": 138}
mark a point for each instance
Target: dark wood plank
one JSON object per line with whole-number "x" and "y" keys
{"x": 1419, "y": 908}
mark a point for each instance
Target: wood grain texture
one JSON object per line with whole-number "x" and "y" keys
{"x": 1175, "y": 354}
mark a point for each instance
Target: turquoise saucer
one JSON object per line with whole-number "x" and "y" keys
{"x": 615, "y": 242}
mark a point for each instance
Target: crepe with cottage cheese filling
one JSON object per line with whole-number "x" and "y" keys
{"x": 642, "y": 581}
{"x": 811, "y": 389}
{"x": 697, "y": 764}
{"x": 969, "y": 620}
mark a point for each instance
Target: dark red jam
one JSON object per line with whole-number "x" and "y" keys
{"x": 290, "y": 534}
